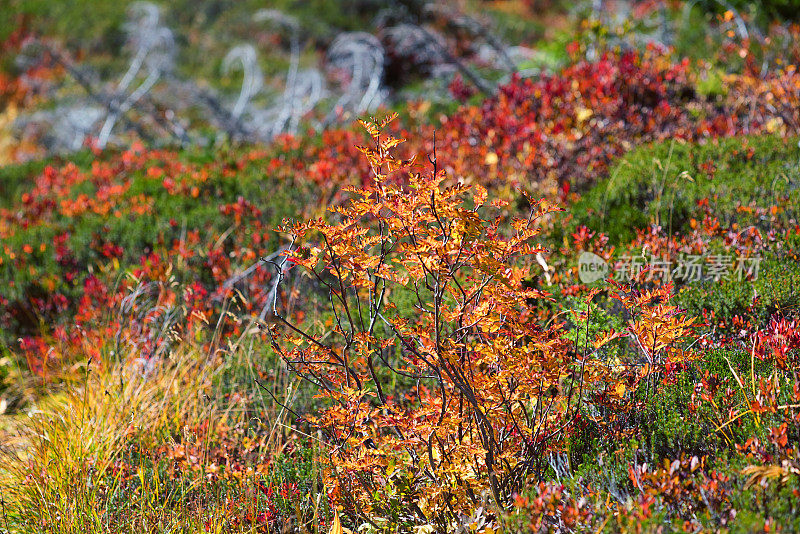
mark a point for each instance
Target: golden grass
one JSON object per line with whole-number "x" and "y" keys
{"x": 72, "y": 466}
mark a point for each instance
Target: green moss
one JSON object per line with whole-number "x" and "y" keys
{"x": 775, "y": 291}
{"x": 662, "y": 183}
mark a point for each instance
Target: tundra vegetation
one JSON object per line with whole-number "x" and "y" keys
{"x": 316, "y": 267}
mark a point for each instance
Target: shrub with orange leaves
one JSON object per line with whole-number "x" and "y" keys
{"x": 436, "y": 405}
{"x": 477, "y": 413}
{"x": 656, "y": 327}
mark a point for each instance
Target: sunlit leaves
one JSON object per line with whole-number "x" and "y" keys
{"x": 477, "y": 356}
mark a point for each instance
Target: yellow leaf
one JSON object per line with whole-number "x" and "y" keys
{"x": 774, "y": 124}
{"x": 388, "y": 118}
{"x": 583, "y": 114}
{"x": 620, "y": 390}
{"x": 336, "y": 528}
{"x": 491, "y": 158}
{"x": 479, "y": 195}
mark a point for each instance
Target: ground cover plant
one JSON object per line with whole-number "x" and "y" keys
{"x": 563, "y": 298}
